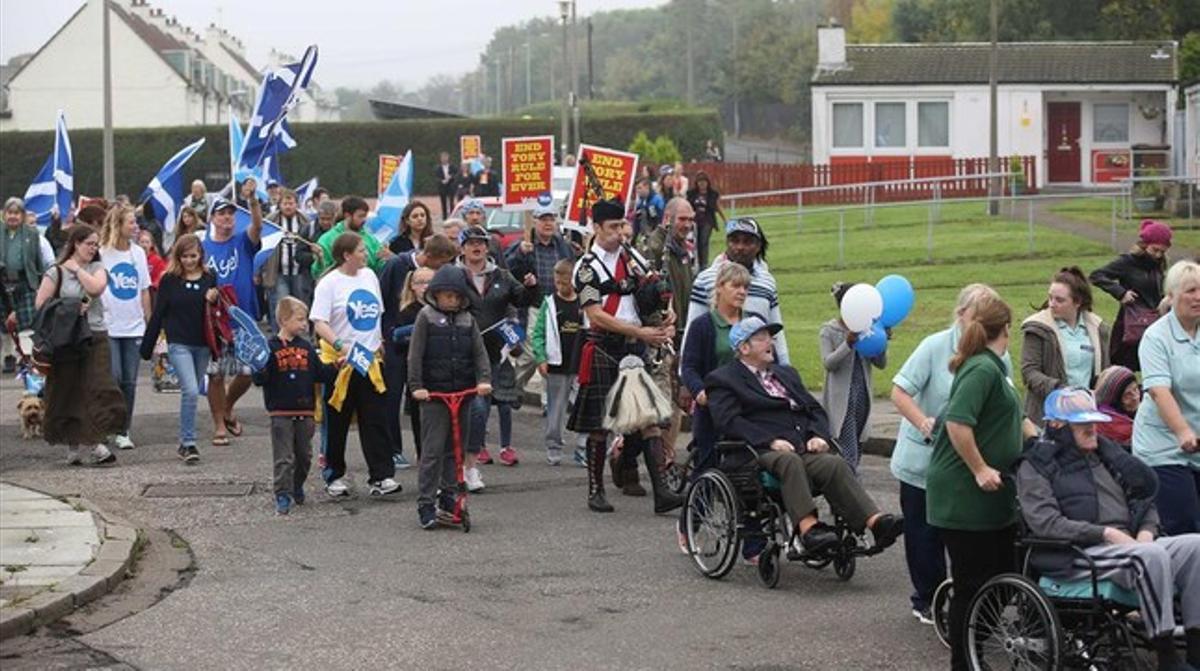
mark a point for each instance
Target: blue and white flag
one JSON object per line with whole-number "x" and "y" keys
{"x": 304, "y": 193}
{"x": 165, "y": 192}
{"x": 236, "y": 139}
{"x": 54, "y": 185}
{"x": 385, "y": 225}
{"x": 278, "y": 94}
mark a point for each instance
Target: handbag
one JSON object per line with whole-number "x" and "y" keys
{"x": 1135, "y": 321}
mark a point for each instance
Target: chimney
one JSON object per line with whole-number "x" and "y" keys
{"x": 831, "y": 46}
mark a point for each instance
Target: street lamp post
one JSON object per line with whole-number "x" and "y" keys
{"x": 108, "y": 163}
{"x": 564, "y": 11}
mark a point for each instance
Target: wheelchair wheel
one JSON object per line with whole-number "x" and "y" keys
{"x": 940, "y": 608}
{"x": 769, "y": 566}
{"x": 676, "y": 475}
{"x": 843, "y": 567}
{"x": 711, "y": 524}
{"x": 1012, "y": 625}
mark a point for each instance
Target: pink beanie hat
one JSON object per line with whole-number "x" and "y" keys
{"x": 1155, "y": 233}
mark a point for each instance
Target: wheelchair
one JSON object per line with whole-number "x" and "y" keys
{"x": 1030, "y": 621}
{"x": 738, "y": 501}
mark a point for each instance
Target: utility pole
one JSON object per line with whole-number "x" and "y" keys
{"x": 574, "y": 76}
{"x": 528, "y": 75}
{"x": 483, "y": 86}
{"x": 591, "y": 86}
{"x": 512, "y": 59}
{"x": 564, "y": 11}
{"x": 993, "y": 142}
{"x": 109, "y": 167}
{"x": 737, "y": 112}
{"x": 691, "y": 80}
{"x": 496, "y": 62}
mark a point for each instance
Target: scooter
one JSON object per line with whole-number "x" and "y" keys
{"x": 459, "y": 517}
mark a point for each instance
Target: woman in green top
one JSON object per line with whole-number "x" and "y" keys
{"x": 972, "y": 507}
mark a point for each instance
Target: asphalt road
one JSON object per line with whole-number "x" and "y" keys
{"x": 539, "y": 583}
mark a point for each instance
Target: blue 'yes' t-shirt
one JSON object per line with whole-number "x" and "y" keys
{"x": 232, "y": 262}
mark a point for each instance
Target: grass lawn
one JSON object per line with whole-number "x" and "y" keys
{"x": 968, "y": 246}
{"x": 1098, "y": 212}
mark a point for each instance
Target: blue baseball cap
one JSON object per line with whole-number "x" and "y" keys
{"x": 1074, "y": 406}
{"x": 743, "y": 330}
{"x": 219, "y": 204}
{"x": 745, "y": 225}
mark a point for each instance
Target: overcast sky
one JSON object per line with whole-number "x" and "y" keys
{"x": 361, "y": 41}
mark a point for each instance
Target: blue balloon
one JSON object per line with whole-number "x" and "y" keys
{"x": 872, "y": 343}
{"x": 898, "y": 299}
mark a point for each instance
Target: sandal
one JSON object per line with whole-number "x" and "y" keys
{"x": 220, "y": 441}
{"x": 234, "y": 427}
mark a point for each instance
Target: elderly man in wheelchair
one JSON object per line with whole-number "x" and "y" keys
{"x": 782, "y": 428}
{"x": 1089, "y": 511}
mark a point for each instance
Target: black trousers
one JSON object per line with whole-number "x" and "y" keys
{"x": 975, "y": 558}
{"x": 395, "y": 374}
{"x": 447, "y": 201}
{"x": 924, "y": 551}
{"x": 368, "y": 405}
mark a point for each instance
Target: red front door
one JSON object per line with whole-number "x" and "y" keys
{"x": 1062, "y": 142}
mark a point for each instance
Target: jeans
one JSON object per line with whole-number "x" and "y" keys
{"x": 297, "y": 286}
{"x": 923, "y": 548}
{"x": 1178, "y": 499}
{"x": 481, "y": 407}
{"x": 190, "y": 364}
{"x": 125, "y": 358}
{"x": 558, "y": 395}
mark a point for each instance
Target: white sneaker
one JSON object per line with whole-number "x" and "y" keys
{"x": 73, "y": 456}
{"x": 122, "y": 441}
{"x": 338, "y": 488}
{"x": 384, "y": 487}
{"x": 474, "y": 480}
{"x": 101, "y": 455}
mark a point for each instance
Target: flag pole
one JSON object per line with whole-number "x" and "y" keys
{"x": 110, "y": 186}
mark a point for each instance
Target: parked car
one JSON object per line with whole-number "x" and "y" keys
{"x": 506, "y": 226}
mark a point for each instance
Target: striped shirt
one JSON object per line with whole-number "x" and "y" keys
{"x": 762, "y": 297}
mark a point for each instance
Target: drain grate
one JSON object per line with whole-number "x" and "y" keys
{"x": 180, "y": 490}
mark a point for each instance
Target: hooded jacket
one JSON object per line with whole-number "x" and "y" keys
{"x": 446, "y": 352}
{"x": 1043, "y": 364}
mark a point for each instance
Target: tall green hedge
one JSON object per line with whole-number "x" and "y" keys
{"x": 343, "y": 155}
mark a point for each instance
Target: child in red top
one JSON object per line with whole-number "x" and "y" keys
{"x": 156, "y": 263}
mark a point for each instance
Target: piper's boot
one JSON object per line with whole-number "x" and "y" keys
{"x": 665, "y": 500}
{"x": 628, "y": 468}
{"x": 595, "y": 462}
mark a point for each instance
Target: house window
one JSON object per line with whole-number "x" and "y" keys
{"x": 933, "y": 124}
{"x": 1110, "y": 122}
{"x": 847, "y": 124}
{"x": 889, "y": 125}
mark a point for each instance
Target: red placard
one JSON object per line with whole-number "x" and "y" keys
{"x": 387, "y": 166}
{"x": 614, "y": 169}
{"x": 469, "y": 147}
{"x": 527, "y": 164}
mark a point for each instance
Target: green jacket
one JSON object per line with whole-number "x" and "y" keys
{"x": 31, "y": 254}
{"x": 325, "y": 242}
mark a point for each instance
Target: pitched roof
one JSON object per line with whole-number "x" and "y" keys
{"x": 1019, "y": 63}
{"x": 242, "y": 62}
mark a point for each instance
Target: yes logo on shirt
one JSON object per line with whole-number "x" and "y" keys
{"x": 224, "y": 268}
{"x": 123, "y": 281}
{"x": 363, "y": 310}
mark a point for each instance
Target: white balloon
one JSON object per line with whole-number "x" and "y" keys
{"x": 861, "y": 306}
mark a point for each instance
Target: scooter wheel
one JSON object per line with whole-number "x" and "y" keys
{"x": 466, "y": 521}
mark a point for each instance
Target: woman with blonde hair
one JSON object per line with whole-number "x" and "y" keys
{"x": 920, "y": 391}
{"x": 1168, "y": 420}
{"x": 185, "y": 289}
{"x": 126, "y": 300}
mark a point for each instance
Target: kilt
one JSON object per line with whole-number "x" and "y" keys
{"x": 22, "y": 298}
{"x": 588, "y": 413}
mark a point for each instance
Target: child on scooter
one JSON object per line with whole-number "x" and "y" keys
{"x": 445, "y": 354}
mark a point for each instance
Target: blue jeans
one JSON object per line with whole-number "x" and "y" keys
{"x": 297, "y": 286}
{"x": 190, "y": 364}
{"x": 481, "y": 407}
{"x": 923, "y": 548}
{"x": 1178, "y": 499}
{"x": 124, "y": 358}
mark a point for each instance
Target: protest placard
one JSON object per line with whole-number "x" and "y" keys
{"x": 387, "y": 167}
{"x": 527, "y": 164}
{"x": 469, "y": 147}
{"x": 614, "y": 171}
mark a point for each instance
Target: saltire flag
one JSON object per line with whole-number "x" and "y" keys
{"x": 165, "y": 191}
{"x": 304, "y": 193}
{"x": 278, "y": 94}
{"x": 55, "y": 182}
{"x": 385, "y": 225}
{"x": 236, "y": 139}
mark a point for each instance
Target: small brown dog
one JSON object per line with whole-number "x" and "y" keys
{"x": 31, "y": 411}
